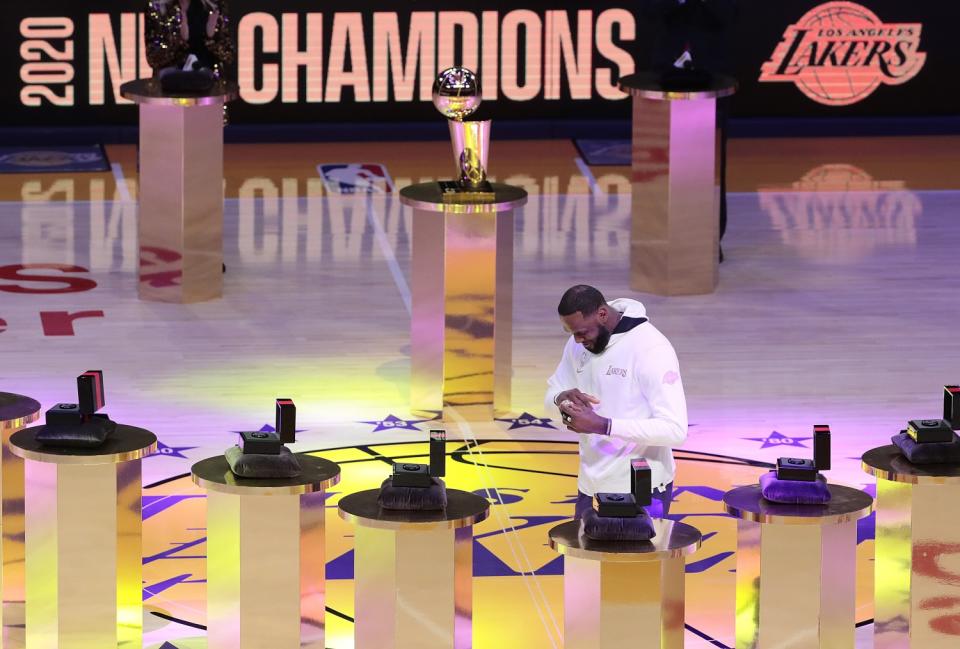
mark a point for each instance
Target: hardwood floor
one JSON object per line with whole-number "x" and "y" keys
{"x": 543, "y": 166}
{"x": 836, "y": 304}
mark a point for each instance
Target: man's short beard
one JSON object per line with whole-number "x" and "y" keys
{"x": 600, "y": 344}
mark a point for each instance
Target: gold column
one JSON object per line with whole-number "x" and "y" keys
{"x": 615, "y": 590}
{"x": 796, "y": 570}
{"x": 747, "y": 608}
{"x": 893, "y": 563}
{"x": 398, "y": 602}
{"x": 181, "y": 192}
{"x": 83, "y": 576}
{"x": 604, "y": 603}
{"x": 503, "y": 324}
{"x": 313, "y": 571}
{"x": 673, "y": 574}
{"x": 675, "y": 187}
{"x": 806, "y": 586}
{"x": 462, "y": 301}
{"x": 266, "y": 582}
{"x": 917, "y": 582}
{"x": 17, "y": 412}
{"x": 413, "y": 573}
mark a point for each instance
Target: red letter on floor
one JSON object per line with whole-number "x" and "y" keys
{"x": 73, "y": 284}
{"x": 60, "y": 323}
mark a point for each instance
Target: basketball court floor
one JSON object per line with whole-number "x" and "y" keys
{"x": 837, "y": 304}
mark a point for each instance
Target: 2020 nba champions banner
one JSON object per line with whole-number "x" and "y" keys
{"x": 372, "y": 60}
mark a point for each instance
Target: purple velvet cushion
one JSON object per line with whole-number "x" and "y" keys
{"x": 585, "y": 502}
{"x": 256, "y": 465}
{"x": 794, "y": 492}
{"x": 89, "y": 434}
{"x": 930, "y": 453}
{"x": 609, "y": 528}
{"x": 413, "y": 498}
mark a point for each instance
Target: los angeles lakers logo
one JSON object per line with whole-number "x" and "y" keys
{"x": 616, "y": 371}
{"x": 840, "y": 52}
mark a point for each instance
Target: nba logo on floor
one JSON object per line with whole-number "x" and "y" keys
{"x": 356, "y": 178}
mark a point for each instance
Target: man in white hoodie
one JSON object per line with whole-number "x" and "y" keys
{"x": 618, "y": 385}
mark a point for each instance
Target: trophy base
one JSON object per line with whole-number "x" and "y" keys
{"x": 453, "y": 192}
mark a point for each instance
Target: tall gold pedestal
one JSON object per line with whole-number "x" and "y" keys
{"x": 181, "y": 192}
{"x": 917, "y": 582}
{"x": 462, "y": 301}
{"x": 612, "y": 589}
{"x": 16, "y": 412}
{"x": 675, "y": 179}
{"x": 796, "y": 569}
{"x": 413, "y": 572}
{"x": 266, "y": 582}
{"x": 82, "y": 512}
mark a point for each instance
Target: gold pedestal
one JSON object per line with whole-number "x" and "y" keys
{"x": 83, "y": 549}
{"x": 612, "y": 589}
{"x": 181, "y": 192}
{"x": 413, "y": 572}
{"x": 796, "y": 569}
{"x": 462, "y": 301}
{"x": 917, "y": 582}
{"x": 675, "y": 186}
{"x": 266, "y": 582}
{"x": 16, "y": 412}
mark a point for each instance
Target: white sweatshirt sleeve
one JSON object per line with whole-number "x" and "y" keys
{"x": 562, "y": 379}
{"x": 659, "y": 381}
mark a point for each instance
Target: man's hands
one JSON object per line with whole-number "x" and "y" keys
{"x": 577, "y": 397}
{"x": 576, "y": 408}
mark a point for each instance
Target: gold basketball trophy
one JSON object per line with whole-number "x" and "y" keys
{"x": 456, "y": 94}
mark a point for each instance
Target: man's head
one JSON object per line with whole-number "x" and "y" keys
{"x": 586, "y": 316}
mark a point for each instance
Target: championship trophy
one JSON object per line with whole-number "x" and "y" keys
{"x": 456, "y": 94}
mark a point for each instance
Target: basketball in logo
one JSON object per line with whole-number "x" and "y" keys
{"x": 835, "y": 177}
{"x": 838, "y": 53}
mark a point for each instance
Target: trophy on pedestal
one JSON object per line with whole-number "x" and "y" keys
{"x": 456, "y": 94}
{"x": 461, "y": 270}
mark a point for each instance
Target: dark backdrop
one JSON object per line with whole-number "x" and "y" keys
{"x": 73, "y": 42}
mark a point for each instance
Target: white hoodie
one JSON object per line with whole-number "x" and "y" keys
{"x": 637, "y": 380}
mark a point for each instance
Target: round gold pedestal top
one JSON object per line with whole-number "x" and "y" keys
{"x": 126, "y": 443}
{"x": 17, "y": 411}
{"x": 887, "y": 463}
{"x": 149, "y": 91}
{"x": 647, "y": 85}
{"x": 673, "y": 540}
{"x": 317, "y": 474}
{"x": 463, "y": 509}
{"x": 846, "y": 505}
{"x": 427, "y": 196}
